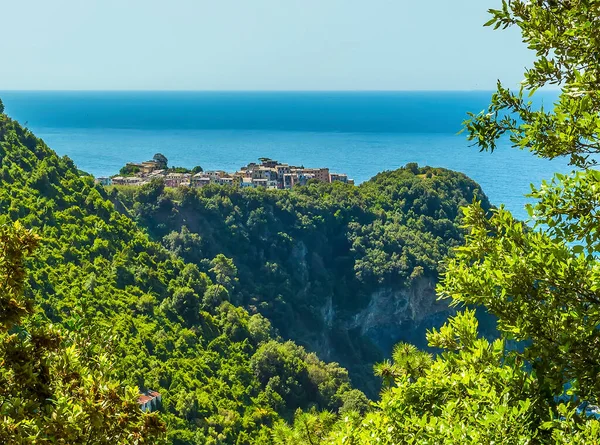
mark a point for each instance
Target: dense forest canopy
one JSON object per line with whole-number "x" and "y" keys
{"x": 57, "y": 386}
{"x": 169, "y": 320}
{"x": 100, "y": 284}
{"x": 311, "y": 258}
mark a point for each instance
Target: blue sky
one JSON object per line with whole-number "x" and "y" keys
{"x": 255, "y": 45}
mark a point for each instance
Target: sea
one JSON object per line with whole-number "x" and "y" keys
{"x": 357, "y": 133}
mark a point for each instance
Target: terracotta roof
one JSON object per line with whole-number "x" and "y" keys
{"x": 144, "y": 399}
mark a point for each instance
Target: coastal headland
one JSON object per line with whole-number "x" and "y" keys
{"x": 268, "y": 173}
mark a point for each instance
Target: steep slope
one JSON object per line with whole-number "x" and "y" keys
{"x": 346, "y": 271}
{"x": 168, "y": 326}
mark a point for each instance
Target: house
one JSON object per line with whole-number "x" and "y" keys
{"x": 333, "y": 177}
{"x": 237, "y": 178}
{"x": 103, "y": 180}
{"x": 177, "y": 179}
{"x": 289, "y": 180}
{"x": 127, "y": 180}
{"x": 147, "y": 167}
{"x": 320, "y": 174}
{"x": 268, "y": 163}
{"x": 260, "y": 182}
{"x": 243, "y": 173}
{"x": 200, "y": 180}
{"x": 150, "y": 401}
{"x": 156, "y": 173}
{"x": 247, "y": 182}
{"x": 214, "y": 175}
{"x": 303, "y": 178}
{"x": 225, "y": 180}
{"x": 282, "y": 169}
{"x": 261, "y": 173}
{"x": 134, "y": 180}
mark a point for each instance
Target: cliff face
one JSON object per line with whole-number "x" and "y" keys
{"x": 400, "y": 315}
{"x": 391, "y": 315}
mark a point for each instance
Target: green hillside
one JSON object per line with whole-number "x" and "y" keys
{"x": 315, "y": 260}
{"x": 166, "y": 324}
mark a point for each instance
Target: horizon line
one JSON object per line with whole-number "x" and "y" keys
{"x": 241, "y": 91}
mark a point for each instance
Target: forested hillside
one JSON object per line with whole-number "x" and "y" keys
{"x": 165, "y": 324}
{"x": 347, "y": 271}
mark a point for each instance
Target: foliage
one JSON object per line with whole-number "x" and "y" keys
{"x": 161, "y": 160}
{"x": 178, "y": 170}
{"x": 129, "y": 170}
{"x": 55, "y": 386}
{"x": 474, "y": 392}
{"x": 114, "y": 299}
{"x": 297, "y": 250}
{"x": 564, "y": 36}
{"x": 469, "y": 394}
{"x": 540, "y": 282}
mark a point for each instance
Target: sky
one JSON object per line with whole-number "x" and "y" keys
{"x": 255, "y": 45}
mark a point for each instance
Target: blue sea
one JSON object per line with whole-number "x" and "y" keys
{"x": 358, "y": 133}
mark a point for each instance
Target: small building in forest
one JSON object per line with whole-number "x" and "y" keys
{"x": 149, "y": 401}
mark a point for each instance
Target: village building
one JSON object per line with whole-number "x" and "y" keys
{"x": 149, "y": 167}
{"x": 260, "y": 182}
{"x": 289, "y": 180}
{"x": 282, "y": 169}
{"x": 247, "y": 182}
{"x": 150, "y": 401}
{"x": 155, "y": 173}
{"x": 320, "y": 174}
{"x": 127, "y": 180}
{"x": 270, "y": 174}
{"x": 103, "y": 180}
{"x": 268, "y": 163}
{"x": 214, "y": 175}
{"x": 145, "y": 167}
{"x": 177, "y": 179}
{"x": 225, "y": 180}
{"x": 338, "y": 177}
{"x": 200, "y": 180}
{"x": 243, "y": 173}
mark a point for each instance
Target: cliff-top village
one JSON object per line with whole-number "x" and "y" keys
{"x": 268, "y": 174}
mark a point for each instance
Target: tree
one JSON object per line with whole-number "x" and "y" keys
{"x": 224, "y": 271}
{"x": 541, "y": 281}
{"x": 161, "y": 160}
{"x": 129, "y": 170}
{"x": 471, "y": 393}
{"x": 1, "y": 107}
{"x": 197, "y": 169}
{"x": 354, "y": 401}
{"x": 387, "y": 371}
{"x": 542, "y": 284}
{"x": 54, "y": 383}
{"x": 185, "y": 244}
{"x": 259, "y": 328}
